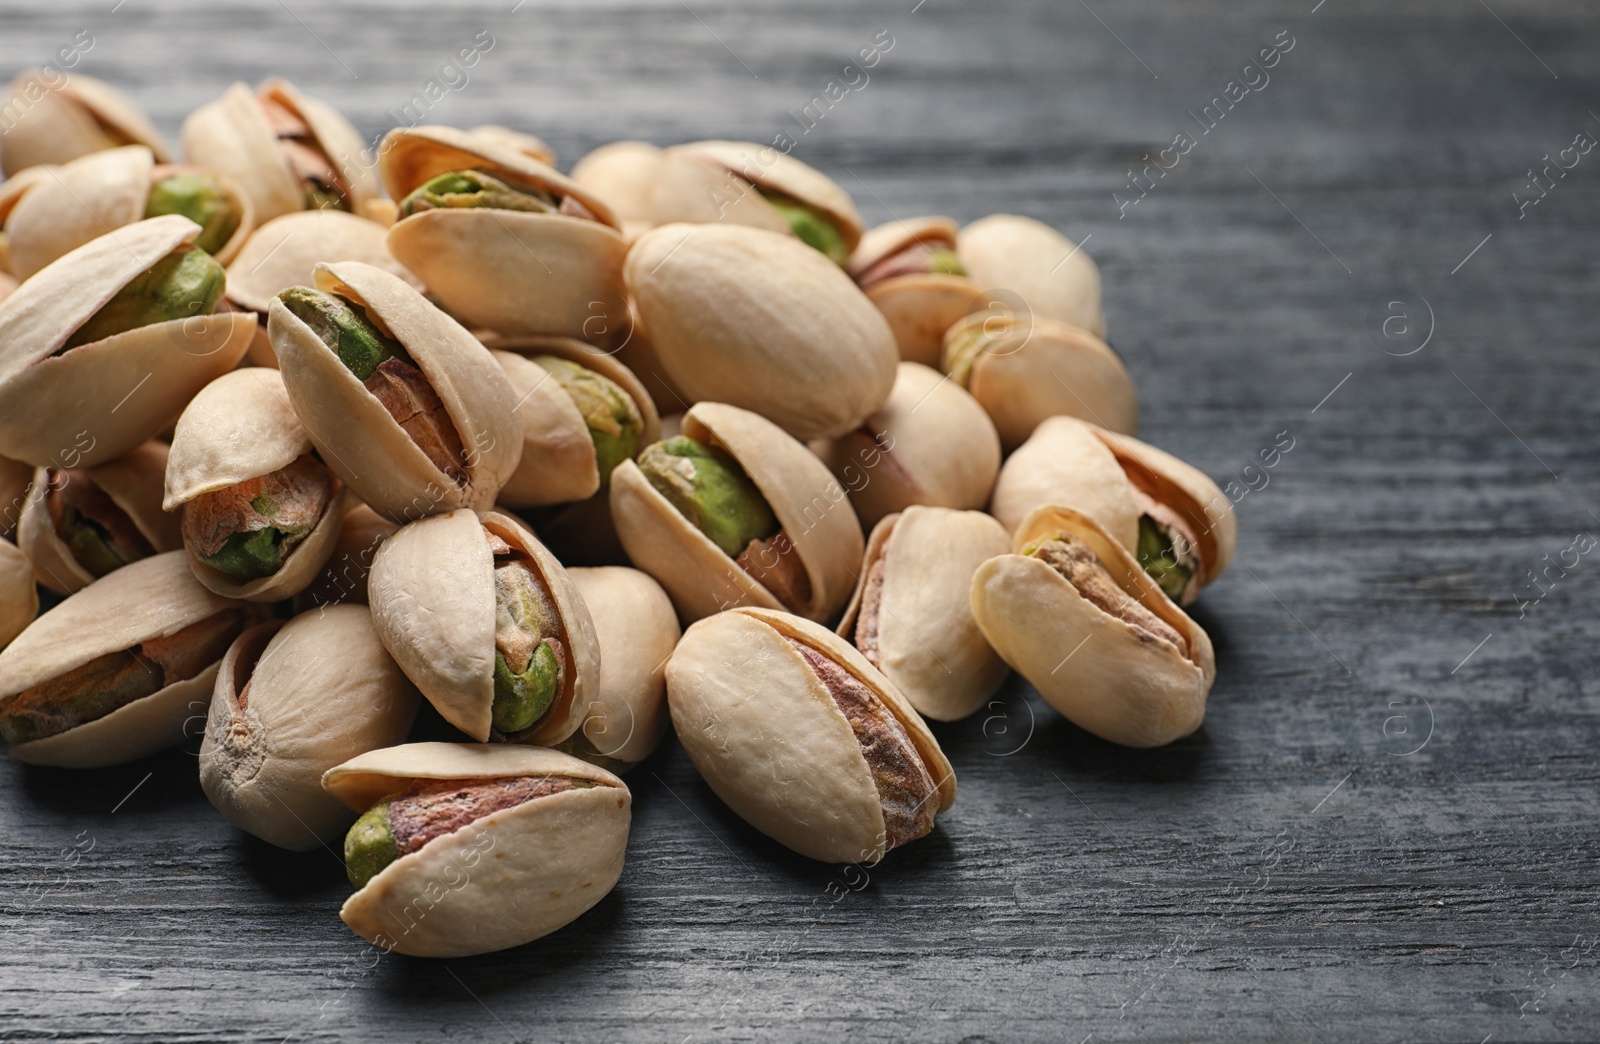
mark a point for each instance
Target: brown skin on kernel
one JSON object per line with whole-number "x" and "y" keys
{"x": 324, "y": 186}
{"x": 433, "y": 808}
{"x": 297, "y": 494}
{"x": 1075, "y": 561}
{"x": 404, "y": 391}
{"x": 775, "y": 565}
{"x": 99, "y": 534}
{"x": 867, "y": 617}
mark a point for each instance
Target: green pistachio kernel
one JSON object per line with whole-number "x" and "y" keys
{"x": 369, "y": 846}
{"x": 345, "y": 328}
{"x": 815, "y": 229}
{"x": 182, "y": 284}
{"x": 711, "y": 490}
{"x": 200, "y": 198}
{"x": 527, "y": 666}
{"x": 609, "y": 412}
{"x": 1160, "y": 560}
{"x": 945, "y": 262}
{"x": 522, "y": 699}
{"x": 250, "y": 555}
{"x": 474, "y": 188}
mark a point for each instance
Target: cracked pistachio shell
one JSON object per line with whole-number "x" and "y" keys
{"x": 97, "y": 401}
{"x": 529, "y": 145}
{"x": 153, "y": 597}
{"x": 919, "y": 307}
{"x": 1102, "y": 474}
{"x": 344, "y": 575}
{"x": 770, "y": 740}
{"x": 926, "y": 641}
{"x": 433, "y": 602}
{"x": 358, "y": 439}
{"x": 1026, "y": 369}
{"x": 510, "y": 271}
{"x": 506, "y": 879}
{"x": 1032, "y": 260}
{"x": 322, "y": 690}
{"x": 764, "y": 322}
{"x": 810, "y": 506}
{"x": 1102, "y": 674}
{"x": 637, "y": 630}
{"x": 931, "y": 443}
{"x": 62, "y": 118}
{"x": 132, "y": 482}
{"x": 15, "y": 478}
{"x": 624, "y": 175}
{"x": 19, "y": 597}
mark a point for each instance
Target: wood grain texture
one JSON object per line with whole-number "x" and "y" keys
{"x": 1292, "y": 872}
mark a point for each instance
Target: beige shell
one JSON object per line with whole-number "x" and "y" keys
{"x": 928, "y": 644}
{"x": 285, "y": 251}
{"x": 132, "y": 482}
{"x": 56, "y": 119}
{"x": 530, "y": 145}
{"x": 8, "y": 284}
{"x": 19, "y": 597}
{"x": 638, "y": 353}
{"x": 637, "y": 630}
{"x": 812, "y": 508}
{"x": 1056, "y": 278}
{"x": 1030, "y": 369}
{"x": 358, "y": 438}
{"x": 764, "y": 322}
{"x": 98, "y": 401}
{"x": 1091, "y": 666}
{"x": 344, "y": 576}
{"x": 501, "y": 881}
{"x": 693, "y": 184}
{"x": 919, "y": 308}
{"x": 322, "y": 690}
{"x": 432, "y": 594}
{"x": 769, "y": 739}
{"x": 153, "y": 597}
{"x": 624, "y": 174}
{"x": 931, "y": 443}
{"x": 15, "y": 478}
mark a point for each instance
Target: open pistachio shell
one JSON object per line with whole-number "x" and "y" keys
{"x": 812, "y": 509}
{"x": 8, "y": 284}
{"x": 1056, "y": 278}
{"x": 919, "y": 305}
{"x": 624, "y": 174}
{"x": 911, "y": 614}
{"x": 12, "y": 192}
{"x": 502, "y": 880}
{"x": 432, "y": 591}
{"x": 369, "y": 451}
{"x": 767, "y": 733}
{"x": 95, "y": 402}
{"x": 931, "y": 443}
{"x": 19, "y": 597}
{"x": 15, "y": 478}
{"x": 344, "y": 575}
{"x": 1113, "y": 677}
{"x": 531, "y": 146}
{"x": 761, "y": 321}
{"x": 291, "y": 701}
{"x": 59, "y": 118}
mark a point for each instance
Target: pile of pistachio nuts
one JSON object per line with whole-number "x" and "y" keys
{"x": 298, "y": 433}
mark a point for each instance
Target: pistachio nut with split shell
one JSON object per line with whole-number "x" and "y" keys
{"x": 292, "y": 700}
{"x": 529, "y": 145}
{"x": 1074, "y": 614}
{"x": 623, "y": 174}
{"x": 1023, "y": 369}
{"x": 19, "y": 597}
{"x": 503, "y": 241}
{"x": 488, "y": 625}
{"x": 104, "y": 346}
{"x": 464, "y": 849}
{"x": 80, "y": 524}
{"x": 1048, "y": 271}
{"x": 931, "y": 443}
{"x": 344, "y": 575}
{"x": 12, "y": 191}
{"x": 407, "y": 407}
{"x": 911, "y": 271}
{"x": 15, "y": 478}
{"x": 260, "y": 512}
{"x": 287, "y": 150}
{"x": 1175, "y": 521}
{"x": 63, "y": 117}
{"x": 803, "y": 738}
{"x": 756, "y": 320}
{"x": 112, "y": 673}
{"x": 911, "y": 614}
{"x": 735, "y": 512}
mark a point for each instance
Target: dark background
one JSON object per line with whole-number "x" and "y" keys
{"x": 1386, "y": 829}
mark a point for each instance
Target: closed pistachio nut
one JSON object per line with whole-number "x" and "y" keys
{"x": 911, "y": 271}
{"x": 754, "y": 319}
{"x": 1075, "y": 615}
{"x": 19, "y": 597}
{"x": 55, "y": 118}
{"x": 803, "y": 738}
{"x": 464, "y": 849}
{"x": 291, "y": 701}
{"x": 623, "y": 174}
{"x": 1048, "y": 271}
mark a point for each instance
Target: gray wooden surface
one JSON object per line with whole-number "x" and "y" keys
{"x": 1386, "y": 829}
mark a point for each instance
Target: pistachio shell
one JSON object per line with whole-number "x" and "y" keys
{"x": 1186, "y": 489}
{"x": 284, "y": 252}
{"x": 60, "y": 118}
{"x": 919, "y": 307}
{"x": 624, "y": 174}
{"x": 690, "y": 189}
{"x": 344, "y": 575}
{"x": 762, "y": 166}
{"x": 1056, "y": 278}
{"x": 15, "y": 478}
{"x": 19, "y": 598}
{"x": 638, "y": 353}
{"x": 322, "y": 690}
{"x": 637, "y": 630}
{"x": 8, "y": 285}
{"x": 12, "y": 192}
{"x": 501, "y": 881}
{"x": 529, "y": 145}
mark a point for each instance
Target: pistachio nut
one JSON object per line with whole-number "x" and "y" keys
{"x": 260, "y": 512}
{"x": 488, "y": 625}
{"x": 291, "y": 701}
{"x": 1048, "y": 271}
{"x": 464, "y": 849}
{"x": 803, "y": 738}
{"x": 1174, "y": 519}
{"x": 735, "y": 512}
{"x": 503, "y": 241}
{"x": 911, "y": 271}
{"x": 1022, "y": 369}
{"x": 753, "y": 319}
{"x": 8, "y": 285}
{"x": 931, "y": 443}
{"x": 19, "y": 597}
{"x": 911, "y": 614}
{"x": 531, "y": 146}
{"x": 638, "y": 353}
{"x": 1074, "y": 613}
{"x": 286, "y": 150}
{"x": 407, "y": 408}
{"x": 104, "y": 346}
{"x": 112, "y": 673}
{"x": 55, "y": 118}
{"x": 12, "y": 192}
{"x": 623, "y": 174}
{"x": 80, "y": 524}
{"x": 344, "y": 576}
{"x": 15, "y": 478}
